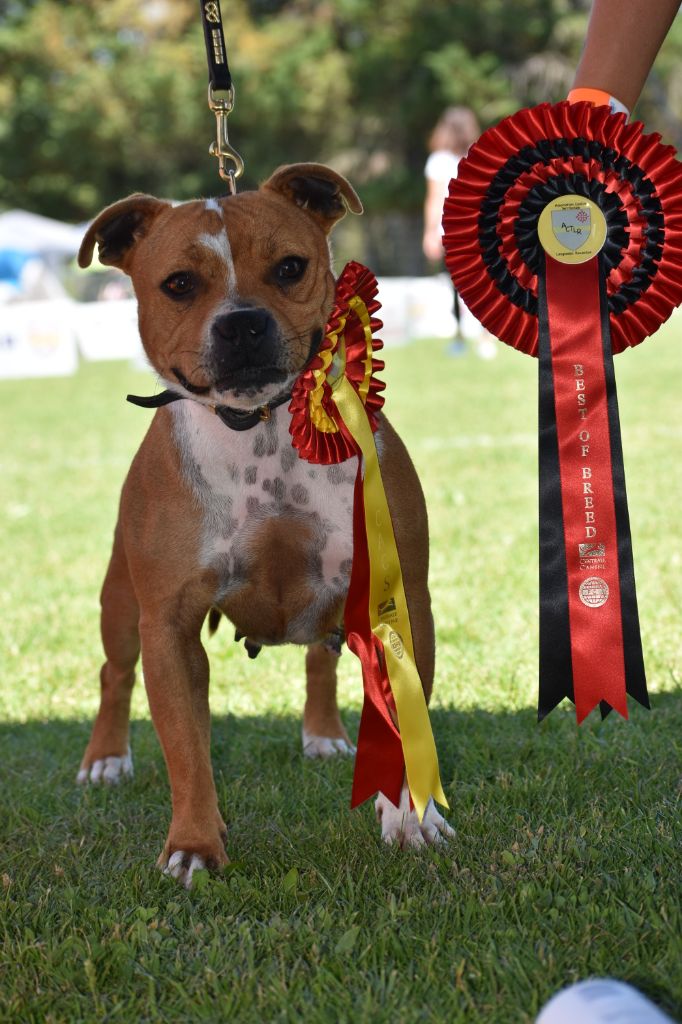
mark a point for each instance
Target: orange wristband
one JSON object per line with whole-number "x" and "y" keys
{"x": 599, "y": 98}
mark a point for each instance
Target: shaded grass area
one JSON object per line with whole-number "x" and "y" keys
{"x": 567, "y": 856}
{"x": 549, "y": 879}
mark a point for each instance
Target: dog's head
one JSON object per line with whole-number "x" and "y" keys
{"x": 233, "y": 293}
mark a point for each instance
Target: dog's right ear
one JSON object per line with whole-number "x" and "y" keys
{"x": 118, "y": 228}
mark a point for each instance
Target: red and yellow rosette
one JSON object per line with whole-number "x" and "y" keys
{"x": 347, "y": 352}
{"x": 563, "y": 235}
{"x": 334, "y": 410}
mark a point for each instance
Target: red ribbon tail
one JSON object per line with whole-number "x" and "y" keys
{"x": 379, "y": 762}
{"x": 588, "y": 537}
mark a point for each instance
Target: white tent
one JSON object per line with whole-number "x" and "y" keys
{"x": 28, "y": 232}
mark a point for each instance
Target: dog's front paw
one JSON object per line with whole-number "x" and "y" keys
{"x": 401, "y": 825}
{"x": 182, "y": 865}
{"x": 109, "y": 770}
{"x": 326, "y": 746}
{"x": 181, "y": 858}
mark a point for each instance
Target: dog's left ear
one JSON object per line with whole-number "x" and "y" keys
{"x": 319, "y": 190}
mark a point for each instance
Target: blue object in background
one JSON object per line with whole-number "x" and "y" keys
{"x": 12, "y": 263}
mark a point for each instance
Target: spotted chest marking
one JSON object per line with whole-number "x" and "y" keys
{"x": 243, "y": 479}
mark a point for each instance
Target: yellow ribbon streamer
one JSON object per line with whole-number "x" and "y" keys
{"x": 389, "y": 617}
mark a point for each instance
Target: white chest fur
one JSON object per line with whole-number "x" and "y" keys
{"x": 242, "y": 479}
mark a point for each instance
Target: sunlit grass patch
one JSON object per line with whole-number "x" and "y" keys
{"x": 567, "y": 856}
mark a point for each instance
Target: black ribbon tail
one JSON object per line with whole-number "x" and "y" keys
{"x": 635, "y": 676}
{"x": 556, "y": 667}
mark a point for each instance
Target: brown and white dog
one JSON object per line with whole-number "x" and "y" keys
{"x": 233, "y": 296}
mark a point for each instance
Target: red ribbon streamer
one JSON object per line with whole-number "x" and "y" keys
{"x": 325, "y": 429}
{"x": 379, "y": 762}
{"x": 591, "y": 538}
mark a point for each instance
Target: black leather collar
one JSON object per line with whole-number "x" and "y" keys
{"x": 235, "y": 419}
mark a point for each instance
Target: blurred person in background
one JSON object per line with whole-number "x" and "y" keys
{"x": 457, "y": 129}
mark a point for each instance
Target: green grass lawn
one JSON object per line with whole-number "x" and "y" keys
{"x": 567, "y": 857}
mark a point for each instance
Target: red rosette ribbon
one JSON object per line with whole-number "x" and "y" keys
{"x": 490, "y": 218}
{"x": 317, "y": 428}
{"x": 573, "y": 308}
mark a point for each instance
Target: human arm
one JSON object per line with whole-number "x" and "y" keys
{"x": 623, "y": 38}
{"x": 432, "y": 242}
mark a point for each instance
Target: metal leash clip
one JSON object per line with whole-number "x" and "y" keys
{"x": 222, "y": 107}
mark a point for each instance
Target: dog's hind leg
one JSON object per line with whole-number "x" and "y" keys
{"x": 323, "y": 732}
{"x": 107, "y": 757}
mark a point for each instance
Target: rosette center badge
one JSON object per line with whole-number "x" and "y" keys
{"x": 572, "y": 229}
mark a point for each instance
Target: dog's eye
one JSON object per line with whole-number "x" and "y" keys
{"x": 290, "y": 269}
{"x": 179, "y": 285}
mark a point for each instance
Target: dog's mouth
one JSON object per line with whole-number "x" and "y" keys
{"x": 257, "y": 384}
{"x": 194, "y": 389}
{"x": 250, "y": 381}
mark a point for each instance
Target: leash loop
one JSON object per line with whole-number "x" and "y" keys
{"x": 216, "y": 51}
{"x": 222, "y": 149}
{"x": 220, "y": 92}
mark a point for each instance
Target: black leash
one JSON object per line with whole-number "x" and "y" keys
{"x": 216, "y": 51}
{"x": 221, "y": 92}
{"x": 219, "y": 82}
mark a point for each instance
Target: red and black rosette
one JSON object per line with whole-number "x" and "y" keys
{"x": 317, "y": 428}
{"x": 573, "y": 317}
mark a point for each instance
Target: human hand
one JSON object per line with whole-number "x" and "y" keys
{"x": 432, "y": 244}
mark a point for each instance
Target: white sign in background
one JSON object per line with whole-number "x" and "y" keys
{"x": 45, "y": 339}
{"x": 37, "y": 339}
{"x": 107, "y": 330}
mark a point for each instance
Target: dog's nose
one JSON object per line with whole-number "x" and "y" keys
{"x": 244, "y": 341}
{"x": 245, "y": 328}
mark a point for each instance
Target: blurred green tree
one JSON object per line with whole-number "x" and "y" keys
{"x": 98, "y": 99}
